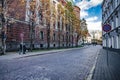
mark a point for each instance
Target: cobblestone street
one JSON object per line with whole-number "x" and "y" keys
{"x": 72, "y": 64}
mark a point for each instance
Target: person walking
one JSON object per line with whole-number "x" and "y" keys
{"x": 24, "y": 49}
{"x": 20, "y": 49}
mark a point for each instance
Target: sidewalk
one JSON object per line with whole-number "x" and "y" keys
{"x": 107, "y": 66}
{"x": 13, "y": 55}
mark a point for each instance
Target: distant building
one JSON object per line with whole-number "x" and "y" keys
{"x": 89, "y": 38}
{"x": 83, "y": 27}
{"x": 83, "y": 24}
{"x": 111, "y": 16}
{"x": 96, "y": 35}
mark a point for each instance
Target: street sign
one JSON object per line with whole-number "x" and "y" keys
{"x": 106, "y": 28}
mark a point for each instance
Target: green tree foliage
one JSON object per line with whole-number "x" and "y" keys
{"x": 75, "y": 21}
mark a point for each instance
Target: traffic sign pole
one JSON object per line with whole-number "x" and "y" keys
{"x": 107, "y": 28}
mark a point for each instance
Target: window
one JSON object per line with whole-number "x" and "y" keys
{"x": 41, "y": 45}
{"x": 62, "y": 25}
{"x": 63, "y": 45}
{"x": 41, "y": 35}
{"x": 116, "y": 3}
{"x": 40, "y": 15}
{"x": 69, "y": 45}
{"x": 54, "y": 25}
{"x": 58, "y": 25}
{"x": 117, "y": 21}
{"x": 63, "y": 37}
{"x": 54, "y": 36}
{"x": 54, "y": 3}
{"x": 54, "y": 45}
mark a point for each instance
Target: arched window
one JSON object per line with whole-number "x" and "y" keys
{"x": 41, "y": 35}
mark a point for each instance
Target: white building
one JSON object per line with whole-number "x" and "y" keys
{"x": 96, "y": 34}
{"x": 111, "y": 16}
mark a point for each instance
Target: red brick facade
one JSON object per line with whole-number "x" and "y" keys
{"x": 17, "y": 11}
{"x": 42, "y": 35}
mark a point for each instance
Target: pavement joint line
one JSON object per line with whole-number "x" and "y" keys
{"x": 90, "y": 75}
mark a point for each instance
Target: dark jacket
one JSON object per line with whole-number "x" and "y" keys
{"x": 24, "y": 49}
{"x": 20, "y": 46}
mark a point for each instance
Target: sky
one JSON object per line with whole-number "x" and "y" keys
{"x": 91, "y": 11}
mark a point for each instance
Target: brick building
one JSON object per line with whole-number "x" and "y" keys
{"x": 77, "y": 13}
{"x": 49, "y": 27}
{"x": 16, "y": 12}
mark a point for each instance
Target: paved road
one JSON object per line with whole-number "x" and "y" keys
{"x": 68, "y": 65}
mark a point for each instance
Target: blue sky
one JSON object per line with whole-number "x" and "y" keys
{"x": 91, "y": 11}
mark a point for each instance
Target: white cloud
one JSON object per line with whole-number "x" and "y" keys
{"x": 83, "y": 14}
{"x": 85, "y": 5}
{"x": 92, "y": 19}
{"x": 95, "y": 2}
{"x": 92, "y": 22}
{"x": 94, "y": 25}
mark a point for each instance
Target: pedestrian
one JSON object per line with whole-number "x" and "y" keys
{"x": 20, "y": 49}
{"x": 24, "y": 49}
{"x": 111, "y": 46}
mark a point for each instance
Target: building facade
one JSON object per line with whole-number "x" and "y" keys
{"x": 77, "y": 11}
{"x": 42, "y": 27}
{"x": 111, "y": 16}
{"x": 96, "y": 36}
